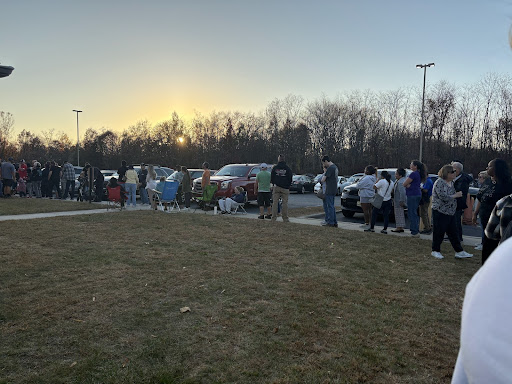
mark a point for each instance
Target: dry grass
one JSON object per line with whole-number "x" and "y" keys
{"x": 96, "y": 299}
{"x": 21, "y": 206}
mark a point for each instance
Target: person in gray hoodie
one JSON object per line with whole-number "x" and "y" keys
{"x": 367, "y": 193}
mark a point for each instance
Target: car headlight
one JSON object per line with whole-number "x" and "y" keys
{"x": 225, "y": 184}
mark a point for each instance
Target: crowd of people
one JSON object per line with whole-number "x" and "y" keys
{"x": 439, "y": 206}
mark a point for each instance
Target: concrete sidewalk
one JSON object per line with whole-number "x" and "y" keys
{"x": 468, "y": 240}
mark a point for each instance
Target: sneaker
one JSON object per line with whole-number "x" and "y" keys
{"x": 268, "y": 216}
{"x": 384, "y": 232}
{"x": 426, "y": 232}
{"x": 261, "y": 217}
{"x": 463, "y": 255}
{"x": 397, "y": 230}
{"x": 437, "y": 255}
{"x": 324, "y": 224}
{"x": 415, "y": 235}
{"x": 479, "y": 247}
{"x": 369, "y": 230}
{"x": 185, "y": 209}
{"x": 333, "y": 225}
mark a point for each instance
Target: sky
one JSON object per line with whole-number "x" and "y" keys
{"x": 123, "y": 61}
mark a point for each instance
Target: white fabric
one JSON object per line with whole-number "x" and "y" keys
{"x": 382, "y": 185}
{"x": 226, "y": 204}
{"x": 485, "y": 354}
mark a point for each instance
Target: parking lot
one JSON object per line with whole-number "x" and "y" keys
{"x": 310, "y": 200}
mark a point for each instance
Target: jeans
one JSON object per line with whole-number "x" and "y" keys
{"x": 69, "y": 183}
{"x": 413, "y": 202}
{"x": 188, "y": 195}
{"x": 330, "y": 212}
{"x": 144, "y": 195}
{"x": 131, "y": 190}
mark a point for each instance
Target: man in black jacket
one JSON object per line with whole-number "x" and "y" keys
{"x": 461, "y": 183}
{"x": 281, "y": 177}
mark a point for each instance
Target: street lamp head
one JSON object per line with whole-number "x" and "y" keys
{"x": 419, "y": 66}
{"x": 431, "y": 65}
{"x": 76, "y": 110}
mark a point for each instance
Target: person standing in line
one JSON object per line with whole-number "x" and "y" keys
{"x": 444, "y": 205}
{"x": 426, "y": 197}
{"x": 8, "y": 176}
{"x": 186, "y": 185}
{"x": 399, "y": 200}
{"x": 498, "y": 186}
{"x": 413, "y": 192}
{"x": 151, "y": 185}
{"x": 461, "y": 183}
{"x": 383, "y": 187}
{"x": 132, "y": 179}
{"x": 179, "y": 178}
{"x": 36, "y": 177}
{"x": 68, "y": 175}
{"x": 54, "y": 180}
{"x": 367, "y": 193}
{"x": 281, "y": 176}
{"x": 144, "y": 198}
{"x": 23, "y": 170}
{"x": 262, "y": 191}
{"x": 330, "y": 178}
{"x": 30, "y": 190}
{"x": 122, "y": 172}
{"x": 45, "y": 184}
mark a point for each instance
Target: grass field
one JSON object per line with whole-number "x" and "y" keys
{"x": 97, "y": 299}
{"x": 21, "y": 206}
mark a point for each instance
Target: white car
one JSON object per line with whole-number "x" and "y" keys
{"x": 341, "y": 181}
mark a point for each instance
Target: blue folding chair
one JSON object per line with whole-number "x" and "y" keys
{"x": 168, "y": 195}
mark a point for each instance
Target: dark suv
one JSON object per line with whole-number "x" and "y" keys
{"x": 229, "y": 177}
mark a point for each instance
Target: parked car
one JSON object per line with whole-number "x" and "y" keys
{"x": 229, "y": 177}
{"x": 168, "y": 170}
{"x": 301, "y": 184}
{"x": 341, "y": 181}
{"x": 350, "y": 203}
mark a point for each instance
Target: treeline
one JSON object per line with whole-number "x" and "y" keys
{"x": 471, "y": 123}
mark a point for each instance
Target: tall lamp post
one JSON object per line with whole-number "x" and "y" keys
{"x": 77, "y": 139}
{"x": 424, "y": 66}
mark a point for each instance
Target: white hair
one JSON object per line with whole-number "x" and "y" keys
{"x": 457, "y": 165}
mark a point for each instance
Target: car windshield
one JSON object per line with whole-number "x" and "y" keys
{"x": 295, "y": 178}
{"x": 233, "y": 170}
{"x": 195, "y": 174}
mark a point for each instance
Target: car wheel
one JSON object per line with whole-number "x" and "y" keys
{"x": 348, "y": 213}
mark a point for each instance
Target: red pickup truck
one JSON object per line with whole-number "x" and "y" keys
{"x": 231, "y": 176}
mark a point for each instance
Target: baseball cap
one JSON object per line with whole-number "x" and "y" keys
{"x": 264, "y": 165}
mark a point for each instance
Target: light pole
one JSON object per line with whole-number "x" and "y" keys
{"x": 424, "y": 66}
{"x": 77, "y": 139}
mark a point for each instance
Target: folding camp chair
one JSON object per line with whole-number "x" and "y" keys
{"x": 115, "y": 198}
{"x": 236, "y": 206}
{"x": 168, "y": 195}
{"x": 208, "y": 198}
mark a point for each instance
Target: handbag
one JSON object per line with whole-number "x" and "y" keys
{"x": 378, "y": 199}
{"x": 320, "y": 194}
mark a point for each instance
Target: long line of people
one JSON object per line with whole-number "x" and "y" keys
{"x": 441, "y": 206}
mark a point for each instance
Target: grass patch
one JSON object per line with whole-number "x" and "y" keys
{"x": 99, "y": 301}
{"x": 22, "y": 206}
